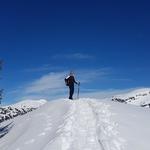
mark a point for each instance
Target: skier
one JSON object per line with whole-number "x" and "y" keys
{"x": 70, "y": 80}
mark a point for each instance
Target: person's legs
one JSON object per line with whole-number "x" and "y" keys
{"x": 71, "y": 88}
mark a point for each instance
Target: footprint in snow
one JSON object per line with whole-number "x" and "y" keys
{"x": 47, "y": 129}
{"x": 49, "y": 124}
{"x": 30, "y": 141}
{"x": 42, "y": 134}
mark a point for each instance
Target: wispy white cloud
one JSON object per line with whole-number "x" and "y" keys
{"x": 73, "y": 56}
{"x": 51, "y": 85}
{"x": 90, "y": 75}
{"x": 45, "y": 67}
{"x": 104, "y": 94}
{"x": 55, "y": 80}
{"x": 52, "y": 82}
{"x": 49, "y": 82}
{"x": 122, "y": 79}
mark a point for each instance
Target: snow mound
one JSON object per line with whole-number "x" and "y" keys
{"x": 29, "y": 103}
{"x": 140, "y": 97}
{"x": 20, "y": 108}
{"x": 84, "y": 124}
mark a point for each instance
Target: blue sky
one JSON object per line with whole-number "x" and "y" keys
{"x": 106, "y": 44}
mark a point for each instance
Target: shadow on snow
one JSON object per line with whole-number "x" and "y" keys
{"x": 5, "y": 129}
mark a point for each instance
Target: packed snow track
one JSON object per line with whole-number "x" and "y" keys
{"x": 83, "y": 124}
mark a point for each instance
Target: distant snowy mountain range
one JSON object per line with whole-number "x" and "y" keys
{"x": 20, "y": 108}
{"x": 83, "y": 124}
{"x": 140, "y": 97}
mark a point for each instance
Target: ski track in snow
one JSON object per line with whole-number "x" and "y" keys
{"x": 85, "y": 125}
{"x": 108, "y": 136}
{"x": 88, "y": 126}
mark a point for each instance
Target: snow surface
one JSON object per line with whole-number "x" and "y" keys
{"x": 20, "y": 108}
{"x": 84, "y": 124}
{"x": 139, "y": 97}
{"x": 29, "y": 103}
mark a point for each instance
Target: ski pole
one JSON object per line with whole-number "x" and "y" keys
{"x": 78, "y": 91}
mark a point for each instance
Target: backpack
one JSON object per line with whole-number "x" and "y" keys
{"x": 67, "y": 82}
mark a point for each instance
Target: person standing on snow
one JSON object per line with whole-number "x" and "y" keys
{"x": 70, "y": 80}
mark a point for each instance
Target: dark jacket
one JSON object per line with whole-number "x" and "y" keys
{"x": 71, "y": 81}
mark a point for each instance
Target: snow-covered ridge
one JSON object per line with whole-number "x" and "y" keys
{"x": 84, "y": 124}
{"x": 29, "y": 103}
{"x": 20, "y": 108}
{"x": 140, "y": 97}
